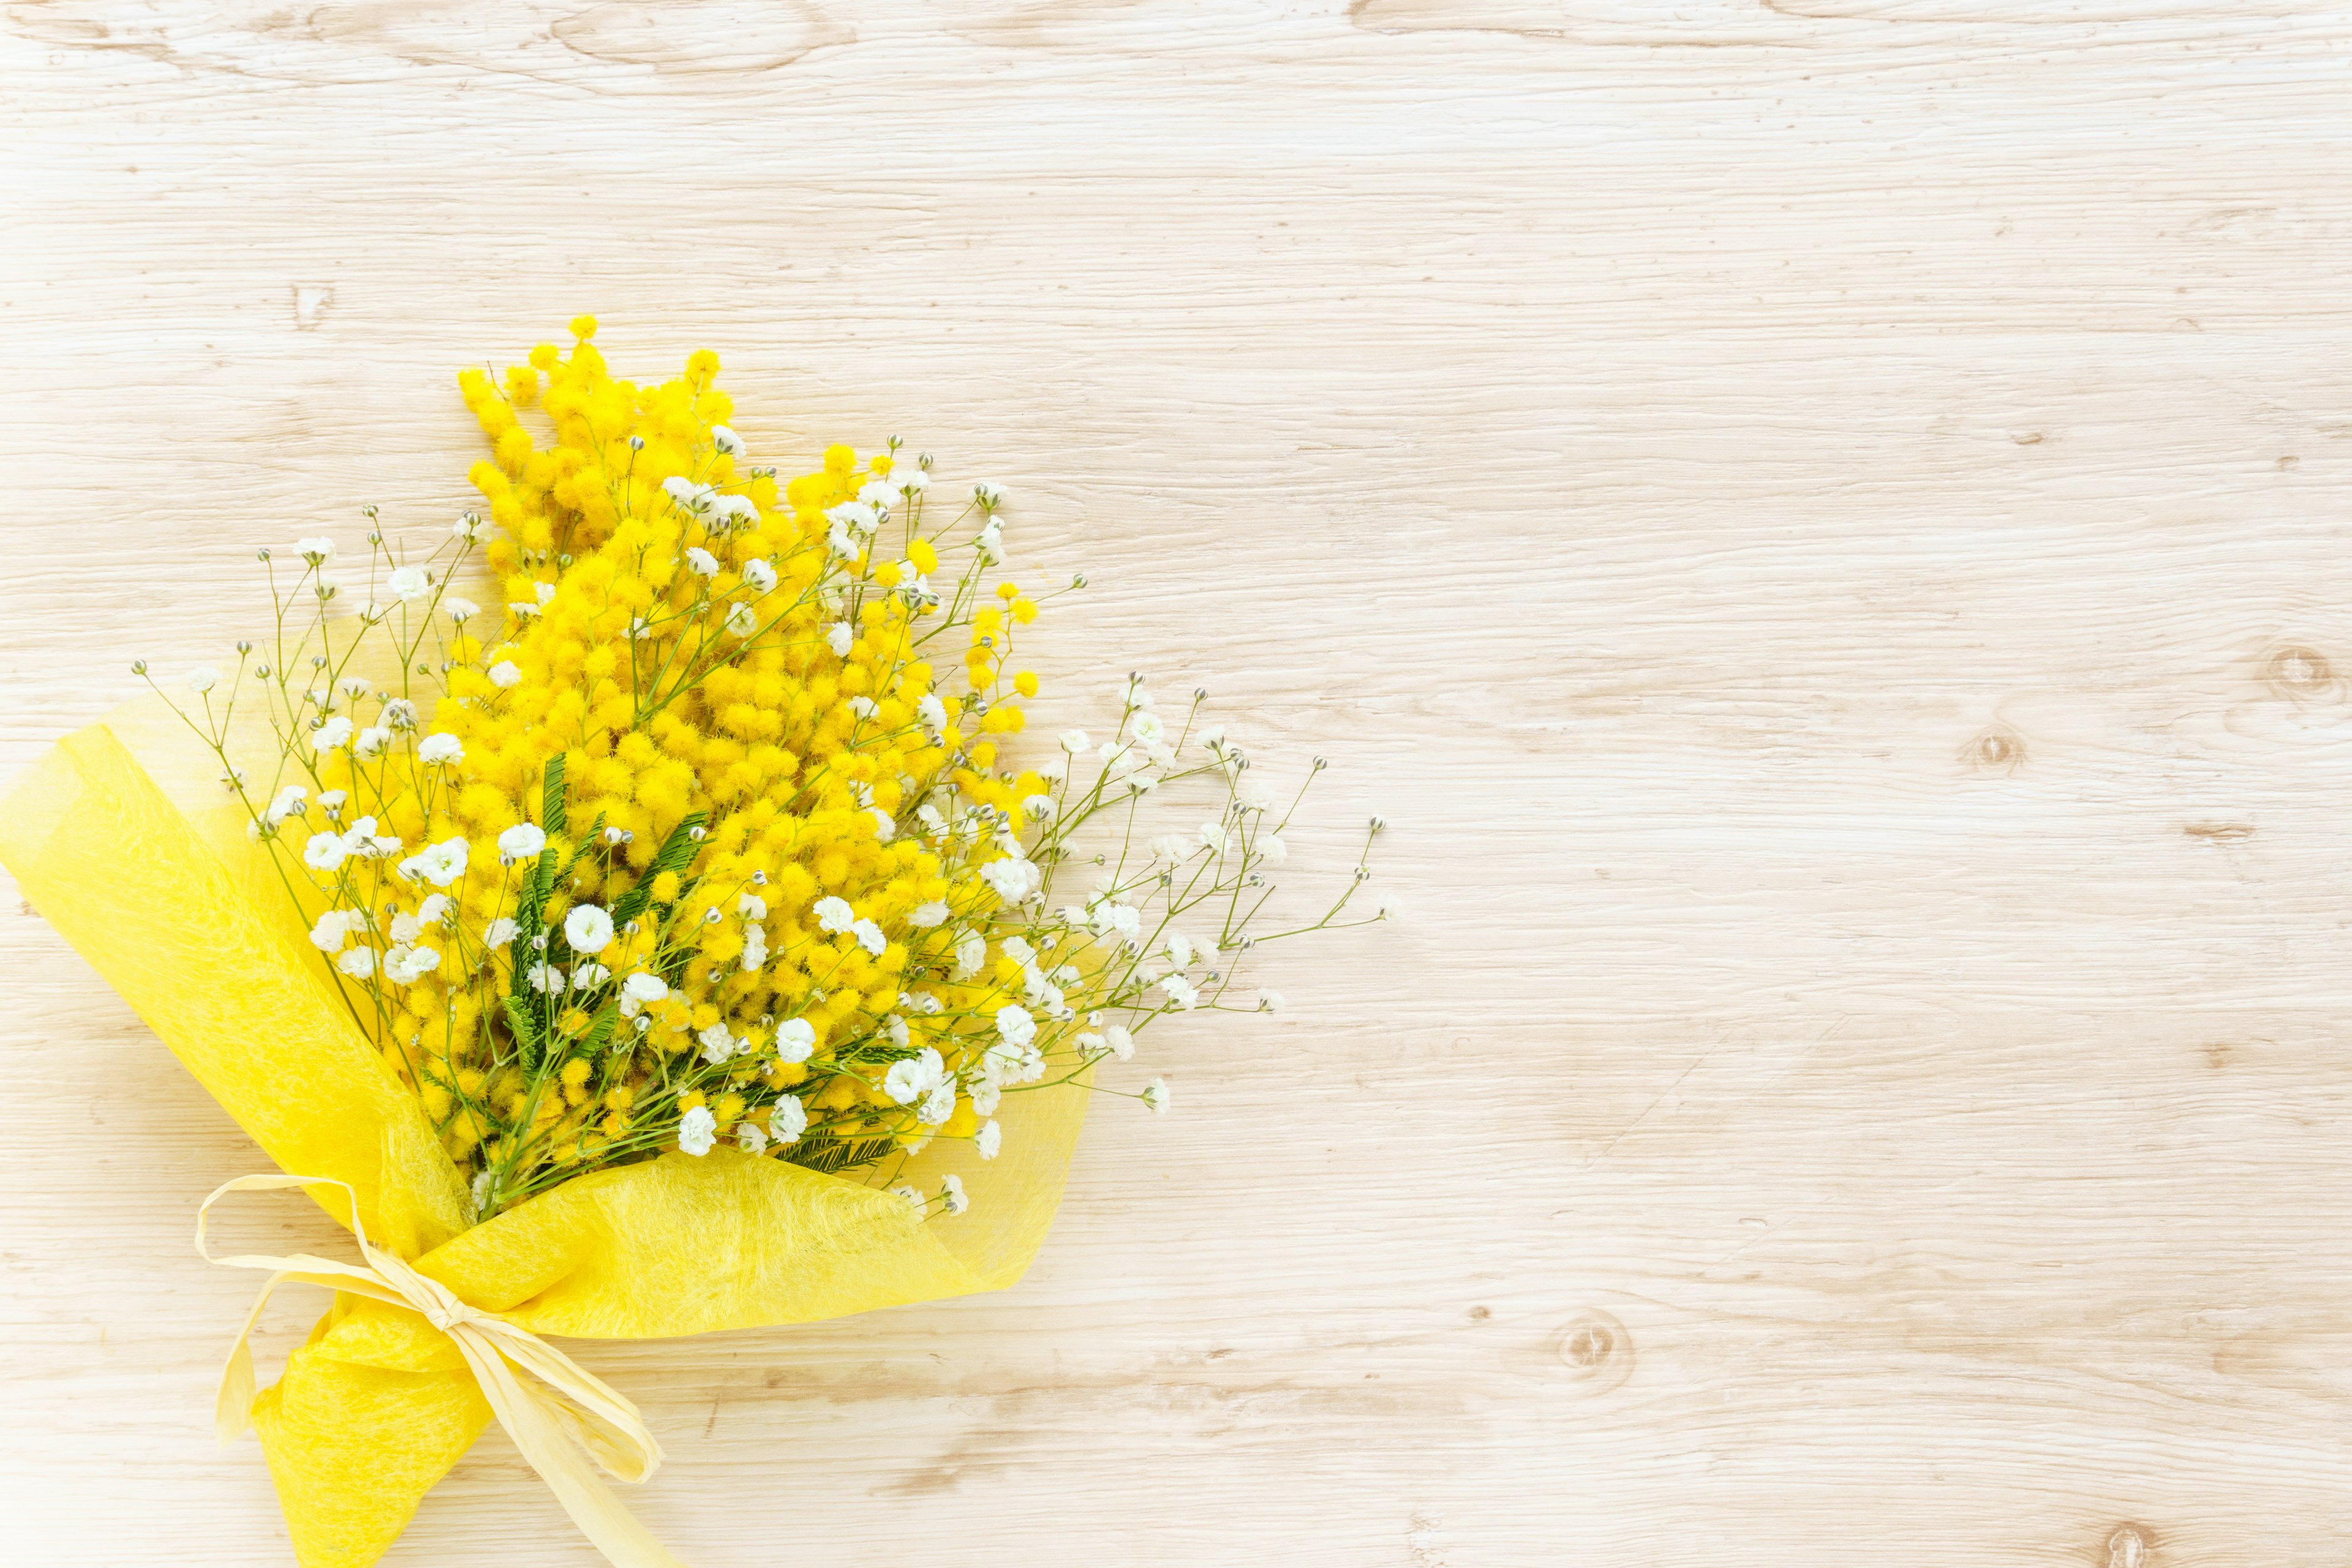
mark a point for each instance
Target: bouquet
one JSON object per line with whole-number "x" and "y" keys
{"x": 644, "y": 915}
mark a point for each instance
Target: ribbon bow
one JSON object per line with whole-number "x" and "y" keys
{"x": 551, "y": 1420}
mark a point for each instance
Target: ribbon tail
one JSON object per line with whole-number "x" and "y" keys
{"x": 533, "y": 1419}
{"x": 595, "y": 1415}
{"x": 233, "y": 1406}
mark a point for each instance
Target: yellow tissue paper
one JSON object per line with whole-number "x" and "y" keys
{"x": 122, "y": 839}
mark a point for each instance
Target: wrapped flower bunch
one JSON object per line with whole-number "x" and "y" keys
{"x": 663, "y": 913}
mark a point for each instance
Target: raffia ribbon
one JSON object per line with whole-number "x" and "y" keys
{"x": 557, "y": 1420}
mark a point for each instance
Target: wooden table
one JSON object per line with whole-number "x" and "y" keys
{"x": 1823, "y": 523}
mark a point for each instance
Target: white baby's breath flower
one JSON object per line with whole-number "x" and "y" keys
{"x": 985, "y": 1094}
{"x": 370, "y": 743}
{"x": 989, "y": 494}
{"x": 726, "y": 440}
{"x": 461, "y": 610}
{"x": 701, "y": 563}
{"x": 717, "y": 1044}
{"x": 923, "y": 917}
{"x": 1015, "y": 1025}
{"x": 1011, "y": 879}
{"x": 440, "y": 747}
{"x": 1212, "y": 837}
{"x": 286, "y": 802}
{"x": 990, "y": 542}
{"x": 952, "y": 1193}
{"x": 317, "y": 551}
{"x": 1270, "y": 1002}
{"x": 336, "y": 927}
{"x": 1120, "y": 1040}
{"x": 931, "y": 711}
{"x": 938, "y": 1106}
{"x": 742, "y": 620}
{"x": 698, "y": 1130}
{"x": 1180, "y": 991}
{"x": 325, "y": 851}
{"x": 838, "y": 638}
{"x": 913, "y": 1197}
{"x": 1254, "y": 795}
{"x": 758, "y": 576}
{"x": 750, "y": 1137}
{"x": 690, "y": 496}
{"x": 794, "y": 1040}
{"x": 1155, "y": 1095}
{"x": 330, "y": 800}
{"x": 639, "y": 990}
{"x": 989, "y": 1139}
{"x": 834, "y": 914}
{"x": 1180, "y": 949}
{"x": 1075, "y": 741}
{"x": 589, "y": 928}
{"x": 523, "y": 841}
{"x": 500, "y": 931}
{"x": 911, "y": 1079}
{"x": 971, "y": 952}
{"x": 203, "y": 679}
{"x": 406, "y": 929}
{"x": 407, "y": 966}
{"x": 409, "y": 583}
{"x": 504, "y": 674}
{"x": 1271, "y": 848}
{"x": 787, "y": 1119}
{"x": 440, "y": 865}
{"x": 869, "y": 936}
{"x": 588, "y": 976}
{"x": 359, "y": 963}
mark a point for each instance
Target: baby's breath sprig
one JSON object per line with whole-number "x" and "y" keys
{"x": 704, "y": 833}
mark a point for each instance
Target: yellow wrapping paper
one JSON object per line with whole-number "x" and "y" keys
{"x": 125, "y": 841}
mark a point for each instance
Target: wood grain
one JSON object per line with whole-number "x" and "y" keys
{"x": 1822, "y": 522}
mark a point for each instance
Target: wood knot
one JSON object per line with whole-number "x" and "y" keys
{"x": 1999, "y": 750}
{"x": 1596, "y": 1350}
{"x": 2128, "y": 1547}
{"x": 2300, "y": 673}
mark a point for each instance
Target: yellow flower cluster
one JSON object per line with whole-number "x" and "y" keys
{"x": 726, "y": 681}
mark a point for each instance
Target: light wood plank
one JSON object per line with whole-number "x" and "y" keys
{"x": 1823, "y": 524}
